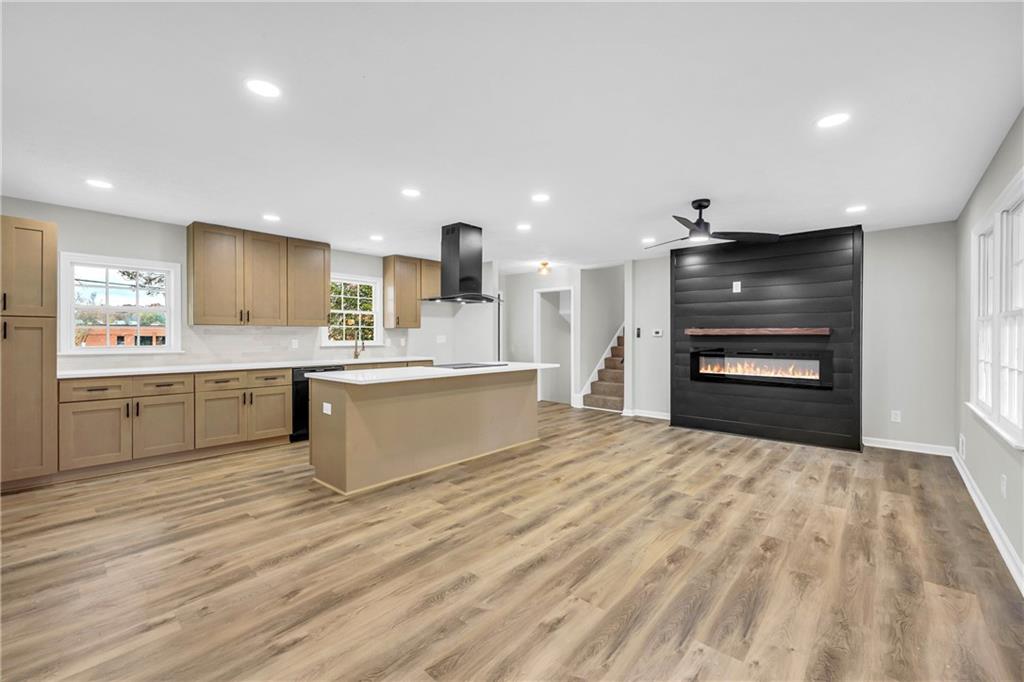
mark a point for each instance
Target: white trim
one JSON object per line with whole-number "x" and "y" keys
{"x": 995, "y": 427}
{"x": 66, "y": 302}
{"x": 628, "y": 323}
{"x": 378, "y": 309}
{"x": 910, "y": 446}
{"x": 648, "y": 414}
{"x": 572, "y": 337}
{"x": 585, "y": 389}
{"x": 1010, "y": 557}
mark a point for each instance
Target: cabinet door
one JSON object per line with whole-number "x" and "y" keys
{"x": 270, "y": 412}
{"x": 309, "y": 283}
{"x": 430, "y": 278}
{"x": 401, "y": 292}
{"x": 28, "y": 422}
{"x": 29, "y": 267}
{"x": 163, "y": 424}
{"x": 95, "y": 432}
{"x": 216, "y": 265}
{"x": 266, "y": 279}
{"x": 221, "y": 417}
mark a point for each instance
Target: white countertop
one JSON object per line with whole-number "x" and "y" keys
{"x": 397, "y": 374}
{"x": 227, "y": 367}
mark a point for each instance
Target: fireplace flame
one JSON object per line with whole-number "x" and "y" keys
{"x": 761, "y": 368}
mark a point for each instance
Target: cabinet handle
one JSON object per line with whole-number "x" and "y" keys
{"x": 5, "y": 329}
{"x": 97, "y": 388}
{"x": 163, "y": 385}
{"x": 221, "y": 381}
{"x": 243, "y": 397}
{"x": 137, "y": 403}
{"x": 240, "y": 316}
{"x": 128, "y": 409}
{"x": 247, "y": 315}
{"x": 5, "y": 300}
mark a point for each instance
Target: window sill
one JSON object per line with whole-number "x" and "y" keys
{"x": 1013, "y": 441}
{"x": 118, "y": 352}
{"x": 375, "y": 344}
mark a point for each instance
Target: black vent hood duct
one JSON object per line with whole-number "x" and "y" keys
{"x": 462, "y": 264}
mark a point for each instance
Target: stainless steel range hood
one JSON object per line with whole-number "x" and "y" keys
{"x": 462, "y": 265}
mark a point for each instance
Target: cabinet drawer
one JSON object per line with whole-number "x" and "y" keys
{"x": 269, "y": 377}
{"x": 220, "y": 381}
{"x": 72, "y": 390}
{"x": 420, "y": 363}
{"x": 161, "y": 384}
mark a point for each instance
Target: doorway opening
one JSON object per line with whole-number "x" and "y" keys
{"x": 553, "y": 342}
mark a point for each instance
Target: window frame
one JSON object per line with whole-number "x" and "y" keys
{"x": 66, "y": 304}
{"x": 1004, "y": 319}
{"x": 378, "y": 325}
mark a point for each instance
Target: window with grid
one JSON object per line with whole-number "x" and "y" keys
{"x": 985, "y": 308}
{"x": 355, "y": 311}
{"x": 1011, "y": 318}
{"x": 117, "y": 305}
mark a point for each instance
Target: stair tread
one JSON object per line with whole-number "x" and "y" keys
{"x": 605, "y": 402}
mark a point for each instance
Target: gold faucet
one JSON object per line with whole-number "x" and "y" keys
{"x": 356, "y": 350}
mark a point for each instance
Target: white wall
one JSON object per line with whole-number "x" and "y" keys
{"x": 555, "y": 339}
{"x": 988, "y": 455}
{"x": 651, "y": 385}
{"x": 92, "y": 232}
{"x": 909, "y": 352}
{"x": 602, "y": 311}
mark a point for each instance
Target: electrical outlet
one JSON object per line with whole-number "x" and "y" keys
{"x": 327, "y": 408}
{"x": 895, "y": 416}
{"x": 737, "y": 287}
{"x": 441, "y": 338}
{"x": 402, "y": 341}
{"x": 962, "y": 450}
{"x": 1002, "y": 485}
{"x": 295, "y": 344}
{"x": 387, "y": 340}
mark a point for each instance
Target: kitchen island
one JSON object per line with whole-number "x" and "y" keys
{"x": 370, "y": 428}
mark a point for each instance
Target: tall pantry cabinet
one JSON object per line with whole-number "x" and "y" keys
{"x": 28, "y": 348}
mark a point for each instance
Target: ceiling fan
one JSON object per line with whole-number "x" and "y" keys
{"x": 700, "y": 231}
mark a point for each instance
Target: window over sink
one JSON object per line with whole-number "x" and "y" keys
{"x": 355, "y": 314}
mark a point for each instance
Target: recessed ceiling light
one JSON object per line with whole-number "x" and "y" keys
{"x": 376, "y": 238}
{"x": 647, "y": 240}
{"x": 540, "y": 198}
{"x": 263, "y": 88}
{"x": 859, "y": 208}
{"x": 271, "y": 218}
{"x": 99, "y": 184}
{"x": 833, "y": 120}
{"x": 523, "y": 227}
{"x": 410, "y": 192}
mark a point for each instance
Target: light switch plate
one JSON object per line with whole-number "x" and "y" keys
{"x": 657, "y": 333}
{"x": 895, "y": 416}
{"x": 737, "y": 287}
{"x": 441, "y": 338}
{"x": 326, "y": 408}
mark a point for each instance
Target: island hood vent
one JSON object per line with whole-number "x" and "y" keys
{"x": 462, "y": 264}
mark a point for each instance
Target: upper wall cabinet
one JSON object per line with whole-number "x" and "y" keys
{"x": 216, "y": 274}
{"x": 401, "y": 292}
{"x": 238, "y": 277}
{"x": 309, "y": 283}
{"x": 430, "y": 278}
{"x": 29, "y": 268}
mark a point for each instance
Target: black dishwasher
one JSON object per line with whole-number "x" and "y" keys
{"x": 300, "y": 399}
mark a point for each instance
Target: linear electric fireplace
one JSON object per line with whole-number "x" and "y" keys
{"x": 810, "y": 369}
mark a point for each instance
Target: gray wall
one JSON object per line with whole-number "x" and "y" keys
{"x": 909, "y": 334}
{"x": 652, "y": 357}
{"x": 555, "y": 337}
{"x": 988, "y": 455}
{"x": 517, "y": 327}
{"x": 602, "y": 311}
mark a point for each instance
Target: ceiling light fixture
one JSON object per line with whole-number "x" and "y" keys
{"x": 647, "y": 240}
{"x": 540, "y": 198}
{"x": 263, "y": 88}
{"x": 271, "y": 218}
{"x": 99, "y": 184}
{"x": 545, "y": 268}
{"x": 699, "y": 237}
{"x": 859, "y": 208}
{"x": 833, "y": 120}
{"x": 523, "y": 227}
{"x": 410, "y": 192}
{"x": 376, "y": 238}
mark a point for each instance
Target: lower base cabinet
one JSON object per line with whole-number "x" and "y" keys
{"x": 163, "y": 424}
{"x": 95, "y": 432}
{"x": 270, "y": 412}
{"x": 221, "y": 417}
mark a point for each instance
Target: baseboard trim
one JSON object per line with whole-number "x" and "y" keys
{"x": 647, "y": 414}
{"x": 1006, "y": 550}
{"x": 910, "y": 446}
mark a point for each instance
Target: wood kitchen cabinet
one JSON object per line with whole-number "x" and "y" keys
{"x": 95, "y": 432}
{"x": 221, "y": 417}
{"x": 162, "y": 424}
{"x": 270, "y": 412}
{"x": 28, "y": 404}
{"x": 216, "y": 274}
{"x": 430, "y": 278}
{"x": 28, "y": 271}
{"x": 401, "y": 292}
{"x": 261, "y": 408}
{"x": 309, "y": 283}
{"x": 266, "y": 279}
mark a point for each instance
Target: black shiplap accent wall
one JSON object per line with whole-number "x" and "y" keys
{"x": 811, "y": 279}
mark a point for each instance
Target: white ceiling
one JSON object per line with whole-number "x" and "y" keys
{"x": 623, "y": 113}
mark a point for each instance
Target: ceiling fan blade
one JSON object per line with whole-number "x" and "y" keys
{"x": 686, "y": 222}
{"x": 654, "y": 246}
{"x": 763, "y": 237}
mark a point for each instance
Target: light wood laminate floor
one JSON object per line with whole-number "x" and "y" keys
{"x": 615, "y": 548}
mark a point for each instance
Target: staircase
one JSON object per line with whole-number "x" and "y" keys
{"x": 606, "y": 393}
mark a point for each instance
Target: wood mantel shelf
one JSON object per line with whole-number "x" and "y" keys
{"x": 758, "y": 331}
